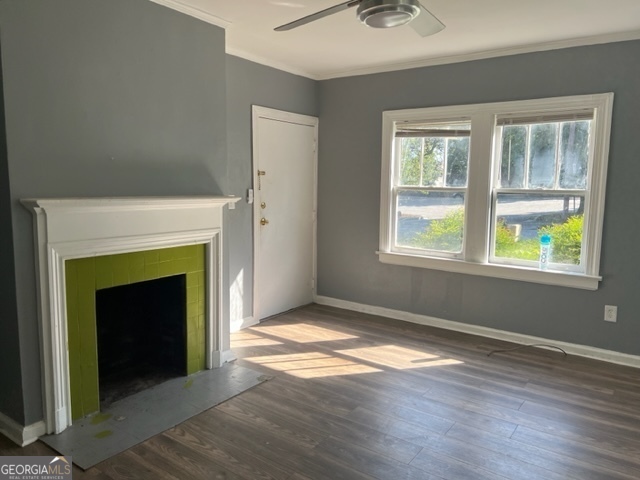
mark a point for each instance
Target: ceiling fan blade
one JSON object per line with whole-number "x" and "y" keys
{"x": 426, "y": 23}
{"x": 318, "y": 15}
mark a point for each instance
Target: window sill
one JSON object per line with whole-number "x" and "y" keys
{"x": 508, "y": 272}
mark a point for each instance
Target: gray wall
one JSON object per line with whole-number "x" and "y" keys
{"x": 349, "y": 196}
{"x": 252, "y": 84}
{"x": 126, "y": 97}
{"x": 11, "y": 386}
{"x": 102, "y": 98}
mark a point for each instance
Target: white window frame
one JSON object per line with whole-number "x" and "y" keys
{"x": 476, "y": 259}
{"x": 439, "y": 188}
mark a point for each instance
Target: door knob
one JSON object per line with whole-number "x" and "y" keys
{"x": 263, "y": 221}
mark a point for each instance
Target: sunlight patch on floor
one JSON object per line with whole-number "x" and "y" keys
{"x": 312, "y": 365}
{"x": 397, "y": 357}
{"x": 303, "y": 333}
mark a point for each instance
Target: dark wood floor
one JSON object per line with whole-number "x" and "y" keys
{"x": 355, "y": 396}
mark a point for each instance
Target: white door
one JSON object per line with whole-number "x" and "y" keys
{"x": 284, "y": 164}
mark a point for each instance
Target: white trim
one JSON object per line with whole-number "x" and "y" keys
{"x": 75, "y": 228}
{"x": 214, "y": 304}
{"x": 18, "y": 434}
{"x": 390, "y": 67}
{"x": 598, "y": 182}
{"x": 571, "y": 348}
{"x": 283, "y": 116}
{"x": 476, "y": 258}
{"x": 32, "y": 432}
{"x": 257, "y": 113}
{"x": 194, "y": 12}
{"x": 434, "y": 61}
{"x": 220, "y": 357}
{"x": 246, "y": 322}
{"x": 227, "y": 356}
{"x": 122, "y": 204}
{"x": 387, "y": 179}
{"x": 508, "y": 272}
{"x": 482, "y": 55}
{"x": 478, "y": 198}
{"x": 267, "y": 62}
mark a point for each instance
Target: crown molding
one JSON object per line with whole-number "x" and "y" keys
{"x": 267, "y": 62}
{"x": 430, "y": 62}
{"x": 391, "y": 67}
{"x": 485, "y": 54}
{"x": 194, "y": 12}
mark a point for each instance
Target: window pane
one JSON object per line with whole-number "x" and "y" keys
{"x": 542, "y": 154}
{"x": 522, "y": 219}
{"x": 514, "y": 145}
{"x": 433, "y": 164}
{"x": 434, "y": 155}
{"x": 457, "y": 161}
{"x": 430, "y": 220}
{"x": 410, "y": 150}
{"x": 574, "y": 154}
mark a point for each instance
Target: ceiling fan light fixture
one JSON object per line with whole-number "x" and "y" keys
{"x": 388, "y": 13}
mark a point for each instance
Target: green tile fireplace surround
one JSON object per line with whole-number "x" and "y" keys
{"x": 85, "y": 276}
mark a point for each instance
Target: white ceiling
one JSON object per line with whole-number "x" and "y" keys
{"x": 339, "y": 45}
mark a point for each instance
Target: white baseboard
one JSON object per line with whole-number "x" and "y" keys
{"x": 572, "y": 348}
{"x": 228, "y": 356}
{"x": 237, "y": 325}
{"x": 18, "y": 434}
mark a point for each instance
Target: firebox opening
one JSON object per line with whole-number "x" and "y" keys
{"x": 141, "y": 331}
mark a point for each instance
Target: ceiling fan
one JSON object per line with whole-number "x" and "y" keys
{"x": 381, "y": 14}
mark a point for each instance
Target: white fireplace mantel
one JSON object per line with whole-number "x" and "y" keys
{"x": 66, "y": 228}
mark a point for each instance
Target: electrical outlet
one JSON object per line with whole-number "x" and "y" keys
{"x": 610, "y": 313}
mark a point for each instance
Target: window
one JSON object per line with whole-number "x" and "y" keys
{"x": 473, "y": 188}
{"x": 541, "y": 189}
{"x": 432, "y": 181}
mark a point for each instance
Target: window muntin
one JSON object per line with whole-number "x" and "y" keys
{"x": 578, "y": 176}
{"x": 548, "y": 155}
{"x": 514, "y": 150}
{"x": 574, "y": 154}
{"x": 430, "y": 187}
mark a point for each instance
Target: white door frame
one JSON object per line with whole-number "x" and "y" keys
{"x": 257, "y": 113}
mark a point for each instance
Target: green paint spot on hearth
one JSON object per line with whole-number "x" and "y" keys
{"x": 188, "y": 383}
{"x": 104, "y": 434}
{"x": 99, "y": 418}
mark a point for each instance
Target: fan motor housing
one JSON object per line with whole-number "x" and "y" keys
{"x": 387, "y": 13}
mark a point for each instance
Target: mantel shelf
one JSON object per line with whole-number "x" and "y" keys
{"x": 129, "y": 203}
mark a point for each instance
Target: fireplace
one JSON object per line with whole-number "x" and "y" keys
{"x": 127, "y": 309}
{"x": 102, "y": 235}
{"x": 141, "y": 336}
